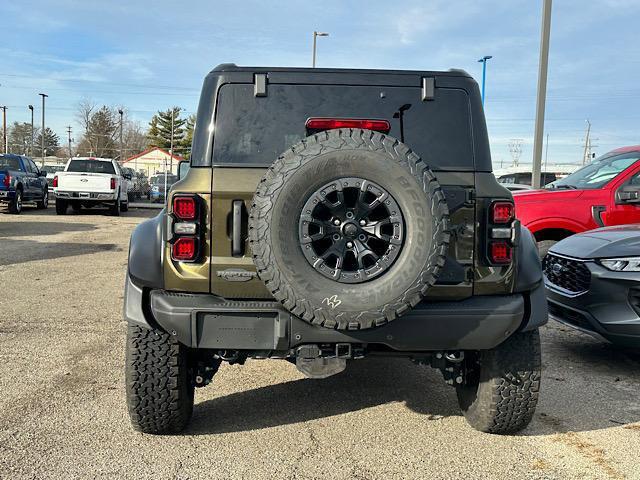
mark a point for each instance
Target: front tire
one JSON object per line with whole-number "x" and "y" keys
{"x": 502, "y": 385}
{"x": 44, "y": 203}
{"x": 159, "y": 389}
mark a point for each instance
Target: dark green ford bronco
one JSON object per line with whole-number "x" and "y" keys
{"x": 330, "y": 215}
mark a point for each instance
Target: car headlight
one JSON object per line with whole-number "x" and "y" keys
{"x": 630, "y": 264}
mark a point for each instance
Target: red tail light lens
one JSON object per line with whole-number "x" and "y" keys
{"x": 6, "y": 181}
{"x": 316, "y": 123}
{"x": 184, "y": 248}
{"x": 113, "y": 184}
{"x": 500, "y": 252}
{"x": 502, "y": 212}
{"x": 185, "y": 208}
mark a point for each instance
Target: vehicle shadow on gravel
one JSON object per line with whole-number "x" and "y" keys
{"x": 364, "y": 384}
{"x": 25, "y": 229}
{"x": 20, "y": 251}
{"x": 586, "y": 384}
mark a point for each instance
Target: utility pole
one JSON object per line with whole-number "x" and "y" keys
{"x": 69, "y": 133}
{"x": 121, "y": 144}
{"x": 587, "y": 143}
{"x": 315, "y": 36}
{"x": 4, "y": 129}
{"x": 32, "y": 132}
{"x": 483, "y": 61}
{"x": 43, "y": 95}
{"x": 542, "y": 93}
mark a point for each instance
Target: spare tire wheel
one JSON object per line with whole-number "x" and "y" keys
{"x": 349, "y": 229}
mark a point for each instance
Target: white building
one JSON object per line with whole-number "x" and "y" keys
{"x": 152, "y": 161}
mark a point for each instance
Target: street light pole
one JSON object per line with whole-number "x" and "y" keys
{"x": 542, "y": 93}
{"x": 121, "y": 144}
{"x": 32, "y": 136}
{"x": 43, "y": 95}
{"x": 315, "y": 36}
{"x": 483, "y": 61}
{"x": 4, "y": 130}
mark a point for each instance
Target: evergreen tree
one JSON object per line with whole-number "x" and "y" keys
{"x": 51, "y": 143}
{"x": 190, "y": 124}
{"x": 159, "y": 134}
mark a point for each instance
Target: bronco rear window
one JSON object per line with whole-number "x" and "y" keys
{"x": 252, "y": 130}
{"x": 91, "y": 166}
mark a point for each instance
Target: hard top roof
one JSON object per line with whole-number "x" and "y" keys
{"x": 232, "y": 67}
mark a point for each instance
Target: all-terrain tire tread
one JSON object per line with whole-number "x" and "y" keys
{"x": 509, "y": 388}
{"x": 159, "y": 390}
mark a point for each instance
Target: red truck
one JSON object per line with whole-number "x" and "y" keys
{"x": 605, "y": 192}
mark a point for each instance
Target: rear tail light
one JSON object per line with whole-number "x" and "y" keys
{"x": 184, "y": 248}
{"x": 500, "y": 252}
{"x": 500, "y": 232}
{"x": 316, "y": 123}
{"x": 502, "y": 212}
{"x": 185, "y": 208}
{"x": 6, "y": 181}
{"x": 113, "y": 184}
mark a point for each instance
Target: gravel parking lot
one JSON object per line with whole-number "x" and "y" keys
{"x": 63, "y": 412}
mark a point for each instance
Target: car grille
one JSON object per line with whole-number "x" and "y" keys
{"x": 569, "y": 275}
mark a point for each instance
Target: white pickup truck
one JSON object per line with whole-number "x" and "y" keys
{"x": 88, "y": 182}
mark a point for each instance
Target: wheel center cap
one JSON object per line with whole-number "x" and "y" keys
{"x": 350, "y": 230}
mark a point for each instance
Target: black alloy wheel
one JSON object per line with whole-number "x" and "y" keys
{"x": 351, "y": 230}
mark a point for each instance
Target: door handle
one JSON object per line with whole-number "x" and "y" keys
{"x": 237, "y": 242}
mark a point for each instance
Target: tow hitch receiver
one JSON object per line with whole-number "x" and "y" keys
{"x": 316, "y": 361}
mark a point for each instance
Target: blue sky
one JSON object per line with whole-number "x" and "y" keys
{"x": 152, "y": 55}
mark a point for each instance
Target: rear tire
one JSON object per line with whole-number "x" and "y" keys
{"x": 61, "y": 207}
{"x": 115, "y": 208}
{"x": 502, "y": 385}
{"x": 124, "y": 206}
{"x": 15, "y": 205}
{"x": 158, "y": 381}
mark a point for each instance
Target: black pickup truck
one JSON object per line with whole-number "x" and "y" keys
{"x": 22, "y": 181}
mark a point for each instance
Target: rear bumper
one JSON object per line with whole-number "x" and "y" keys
{"x": 207, "y": 321}
{"x": 7, "y": 195}
{"x": 88, "y": 196}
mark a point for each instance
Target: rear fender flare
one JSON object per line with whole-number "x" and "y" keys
{"x": 146, "y": 252}
{"x": 528, "y": 262}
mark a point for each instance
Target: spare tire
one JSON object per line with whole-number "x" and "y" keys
{"x": 349, "y": 229}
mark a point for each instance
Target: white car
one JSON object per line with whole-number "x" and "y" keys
{"x": 89, "y": 182}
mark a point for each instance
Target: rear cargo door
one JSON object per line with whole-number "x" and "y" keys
{"x": 84, "y": 182}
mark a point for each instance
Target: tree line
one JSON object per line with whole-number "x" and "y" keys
{"x": 100, "y": 135}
